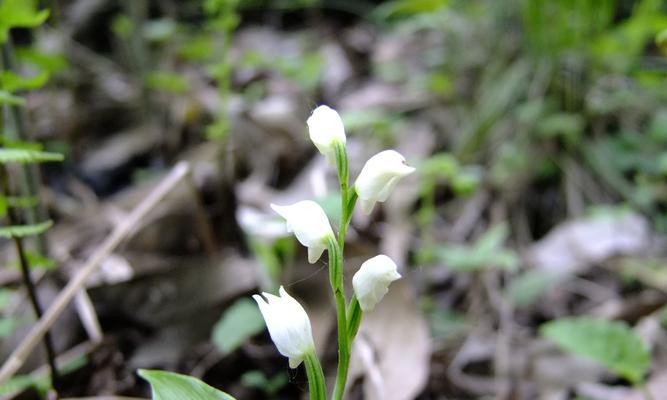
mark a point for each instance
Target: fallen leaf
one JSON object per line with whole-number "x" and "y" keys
{"x": 573, "y": 246}
{"x": 394, "y": 348}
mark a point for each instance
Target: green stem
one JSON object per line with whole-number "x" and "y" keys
{"x": 342, "y": 167}
{"x": 316, "y": 384}
{"x": 336, "y": 277}
{"x": 348, "y": 200}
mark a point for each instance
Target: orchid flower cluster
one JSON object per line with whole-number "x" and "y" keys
{"x": 287, "y": 321}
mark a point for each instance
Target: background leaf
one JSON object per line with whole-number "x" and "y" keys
{"x": 8, "y": 98}
{"x": 26, "y": 156}
{"x": 239, "y": 322}
{"x": 19, "y": 14}
{"x": 611, "y": 343}
{"x": 172, "y": 386}
{"x": 24, "y": 230}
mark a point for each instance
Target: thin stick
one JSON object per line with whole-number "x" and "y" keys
{"x": 37, "y": 309}
{"x": 19, "y": 355}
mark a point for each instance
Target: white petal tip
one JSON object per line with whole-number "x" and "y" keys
{"x": 314, "y": 254}
{"x": 407, "y": 170}
{"x": 259, "y": 298}
{"x": 294, "y": 362}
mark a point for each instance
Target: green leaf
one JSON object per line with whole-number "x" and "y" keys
{"x": 528, "y": 287}
{"x": 406, "y": 8}
{"x": 40, "y": 261}
{"x": 198, "y": 48}
{"x": 122, "y": 26}
{"x": 661, "y": 40}
{"x": 22, "y": 382}
{"x": 8, "y": 325}
{"x": 50, "y": 62}
{"x": 239, "y": 322}
{"x": 611, "y": 343}
{"x": 26, "y": 156}
{"x": 19, "y": 14}
{"x": 167, "y": 81}
{"x": 19, "y": 144}
{"x": 21, "y": 201}
{"x": 257, "y": 379}
{"x": 159, "y": 30}
{"x": 24, "y": 230}
{"x": 487, "y": 252}
{"x": 12, "y": 82}
{"x": 466, "y": 180}
{"x": 568, "y": 126}
{"x": 441, "y": 165}
{"x": 8, "y": 98}
{"x": 5, "y": 297}
{"x": 172, "y": 386}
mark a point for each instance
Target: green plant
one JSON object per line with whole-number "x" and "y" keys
{"x": 611, "y": 343}
{"x": 487, "y": 252}
{"x": 222, "y": 20}
{"x": 287, "y": 321}
{"x": 269, "y": 386}
{"x": 171, "y": 386}
{"x": 21, "y": 209}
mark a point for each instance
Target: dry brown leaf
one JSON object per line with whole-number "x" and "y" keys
{"x": 573, "y": 246}
{"x": 393, "y": 351}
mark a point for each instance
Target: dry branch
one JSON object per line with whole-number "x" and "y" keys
{"x": 19, "y": 355}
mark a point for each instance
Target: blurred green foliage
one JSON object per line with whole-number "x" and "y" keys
{"x": 19, "y": 14}
{"x": 269, "y": 386}
{"x": 240, "y": 321}
{"x": 611, "y": 343}
{"x": 487, "y": 252}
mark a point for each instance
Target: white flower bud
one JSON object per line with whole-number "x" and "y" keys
{"x": 372, "y": 280}
{"x": 288, "y": 325}
{"x": 326, "y": 128}
{"x": 379, "y": 176}
{"x": 310, "y": 226}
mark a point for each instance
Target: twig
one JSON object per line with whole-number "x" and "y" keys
{"x": 37, "y": 309}
{"x": 88, "y": 316}
{"x": 19, "y": 355}
{"x": 204, "y": 228}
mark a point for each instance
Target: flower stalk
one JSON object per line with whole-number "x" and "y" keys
{"x": 287, "y": 321}
{"x": 337, "y": 285}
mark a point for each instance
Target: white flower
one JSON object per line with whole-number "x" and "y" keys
{"x": 310, "y": 226}
{"x": 372, "y": 280}
{"x": 379, "y": 176}
{"x": 288, "y": 325}
{"x": 326, "y": 128}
